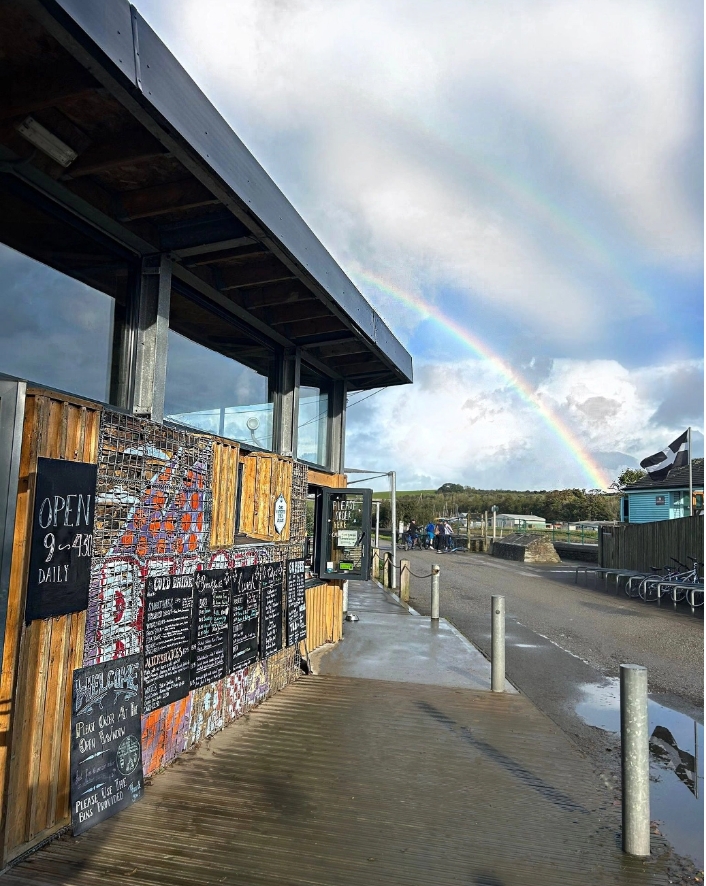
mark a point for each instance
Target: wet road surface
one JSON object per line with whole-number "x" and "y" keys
{"x": 564, "y": 647}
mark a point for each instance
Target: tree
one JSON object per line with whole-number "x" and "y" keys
{"x": 450, "y": 487}
{"x": 627, "y": 478}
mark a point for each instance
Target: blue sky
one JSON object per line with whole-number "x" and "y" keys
{"x": 533, "y": 169}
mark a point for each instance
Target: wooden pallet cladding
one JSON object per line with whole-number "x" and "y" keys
{"x": 39, "y": 658}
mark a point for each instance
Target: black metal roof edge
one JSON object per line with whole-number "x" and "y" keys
{"x": 118, "y": 38}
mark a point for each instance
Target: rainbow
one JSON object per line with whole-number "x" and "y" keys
{"x": 591, "y": 469}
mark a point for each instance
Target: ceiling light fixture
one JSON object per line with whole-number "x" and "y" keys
{"x": 47, "y": 142}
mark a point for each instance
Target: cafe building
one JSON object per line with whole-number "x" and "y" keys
{"x": 176, "y": 349}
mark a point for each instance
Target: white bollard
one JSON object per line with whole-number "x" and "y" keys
{"x": 497, "y": 645}
{"x": 635, "y": 752}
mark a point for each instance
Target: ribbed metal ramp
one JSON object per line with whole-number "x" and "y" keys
{"x": 347, "y": 781}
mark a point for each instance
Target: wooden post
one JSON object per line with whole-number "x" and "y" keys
{"x": 375, "y": 565}
{"x": 386, "y": 570}
{"x": 404, "y": 581}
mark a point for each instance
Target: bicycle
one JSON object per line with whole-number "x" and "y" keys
{"x": 680, "y": 582}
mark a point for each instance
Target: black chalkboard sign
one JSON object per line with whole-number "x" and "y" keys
{"x": 296, "y": 601}
{"x": 167, "y": 639}
{"x": 245, "y": 609}
{"x": 106, "y": 755}
{"x": 271, "y": 579}
{"x": 62, "y": 538}
{"x": 209, "y": 639}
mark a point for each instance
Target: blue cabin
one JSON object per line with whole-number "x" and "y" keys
{"x": 648, "y": 501}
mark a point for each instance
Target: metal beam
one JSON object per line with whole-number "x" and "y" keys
{"x": 337, "y": 427}
{"x": 151, "y": 337}
{"x": 286, "y": 403}
{"x": 12, "y": 408}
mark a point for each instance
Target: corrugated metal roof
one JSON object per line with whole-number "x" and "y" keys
{"x": 355, "y": 782}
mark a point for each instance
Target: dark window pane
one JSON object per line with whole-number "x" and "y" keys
{"x": 54, "y": 330}
{"x": 313, "y": 424}
{"x": 218, "y": 380}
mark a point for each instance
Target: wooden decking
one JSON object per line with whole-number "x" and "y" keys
{"x": 350, "y": 781}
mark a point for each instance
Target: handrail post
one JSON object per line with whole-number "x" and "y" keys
{"x": 435, "y": 570}
{"x": 404, "y": 580}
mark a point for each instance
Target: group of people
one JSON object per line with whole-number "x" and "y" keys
{"x": 438, "y": 536}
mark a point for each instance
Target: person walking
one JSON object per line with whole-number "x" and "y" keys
{"x": 429, "y": 529}
{"x": 448, "y": 535}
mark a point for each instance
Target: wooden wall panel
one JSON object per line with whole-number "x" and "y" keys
{"x": 38, "y": 659}
{"x": 226, "y": 457}
{"x": 265, "y": 478}
{"x": 333, "y": 481}
{"x": 324, "y": 615}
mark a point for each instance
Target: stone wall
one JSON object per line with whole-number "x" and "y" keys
{"x": 525, "y": 548}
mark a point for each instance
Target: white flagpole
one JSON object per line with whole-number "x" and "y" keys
{"x": 691, "y": 479}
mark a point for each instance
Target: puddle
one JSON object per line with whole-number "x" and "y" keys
{"x": 676, "y": 765}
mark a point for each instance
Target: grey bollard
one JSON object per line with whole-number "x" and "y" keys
{"x": 634, "y": 740}
{"x": 435, "y": 591}
{"x": 497, "y": 645}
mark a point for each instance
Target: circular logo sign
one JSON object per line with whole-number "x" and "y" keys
{"x": 128, "y": 755}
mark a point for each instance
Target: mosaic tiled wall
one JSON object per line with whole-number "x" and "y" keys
{"x": 153, "y": 515}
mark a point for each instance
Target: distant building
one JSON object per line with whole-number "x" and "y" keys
{"x": 521, "y": 521}
{"x": 648, "y": 501}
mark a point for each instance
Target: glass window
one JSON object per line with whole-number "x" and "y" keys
{"x": 218, "y": 379}
{"x": 312, "y": 430}
{"x": 54, "y": 330}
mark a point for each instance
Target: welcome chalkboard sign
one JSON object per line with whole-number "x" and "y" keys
{"x": 168, "y": 622}
{"x": 271, "y": 579}
{"x": 62, "y": 538}
{"x": 106, "y": 755}
{"x": 209, "y": 639}
{"x": 245, "y": 615}
{"x": 296, "y": 601}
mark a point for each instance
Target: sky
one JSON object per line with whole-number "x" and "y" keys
{"x": 515, "y": 186}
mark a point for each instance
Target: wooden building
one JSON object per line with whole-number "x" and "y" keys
{"x": 648, "y": 500}
{"x": 167, "y": 317}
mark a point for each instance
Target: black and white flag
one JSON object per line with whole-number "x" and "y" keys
{"x": 676, "y": 455}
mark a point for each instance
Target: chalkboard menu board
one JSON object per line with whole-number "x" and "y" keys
{"x": 62, "y": 538}
{"x": 167, "y": 639}
{"x": 245, "y": 609}
{"x": 271, "y": 579}
{"x": 296, "y": 602}
{"x": 106, "y": 755}
{"x": 209, "y": 639}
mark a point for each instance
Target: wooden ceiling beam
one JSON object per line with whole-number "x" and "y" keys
{"x": 163, "y": 199}
{"x": 123, "y": 149}
{"x": 353, "y": 346}
{"x": 227, "y": 256}
{"x": 28, "y": 89}
{"x": 254, "y": 273}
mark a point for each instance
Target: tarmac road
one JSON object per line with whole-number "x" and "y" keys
{"x": 561, "y": 636}
{"x": 562, "y": 639}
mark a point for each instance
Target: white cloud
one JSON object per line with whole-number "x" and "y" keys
{"x": 463, "y": 424}
{"x": 514, "y": 150}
